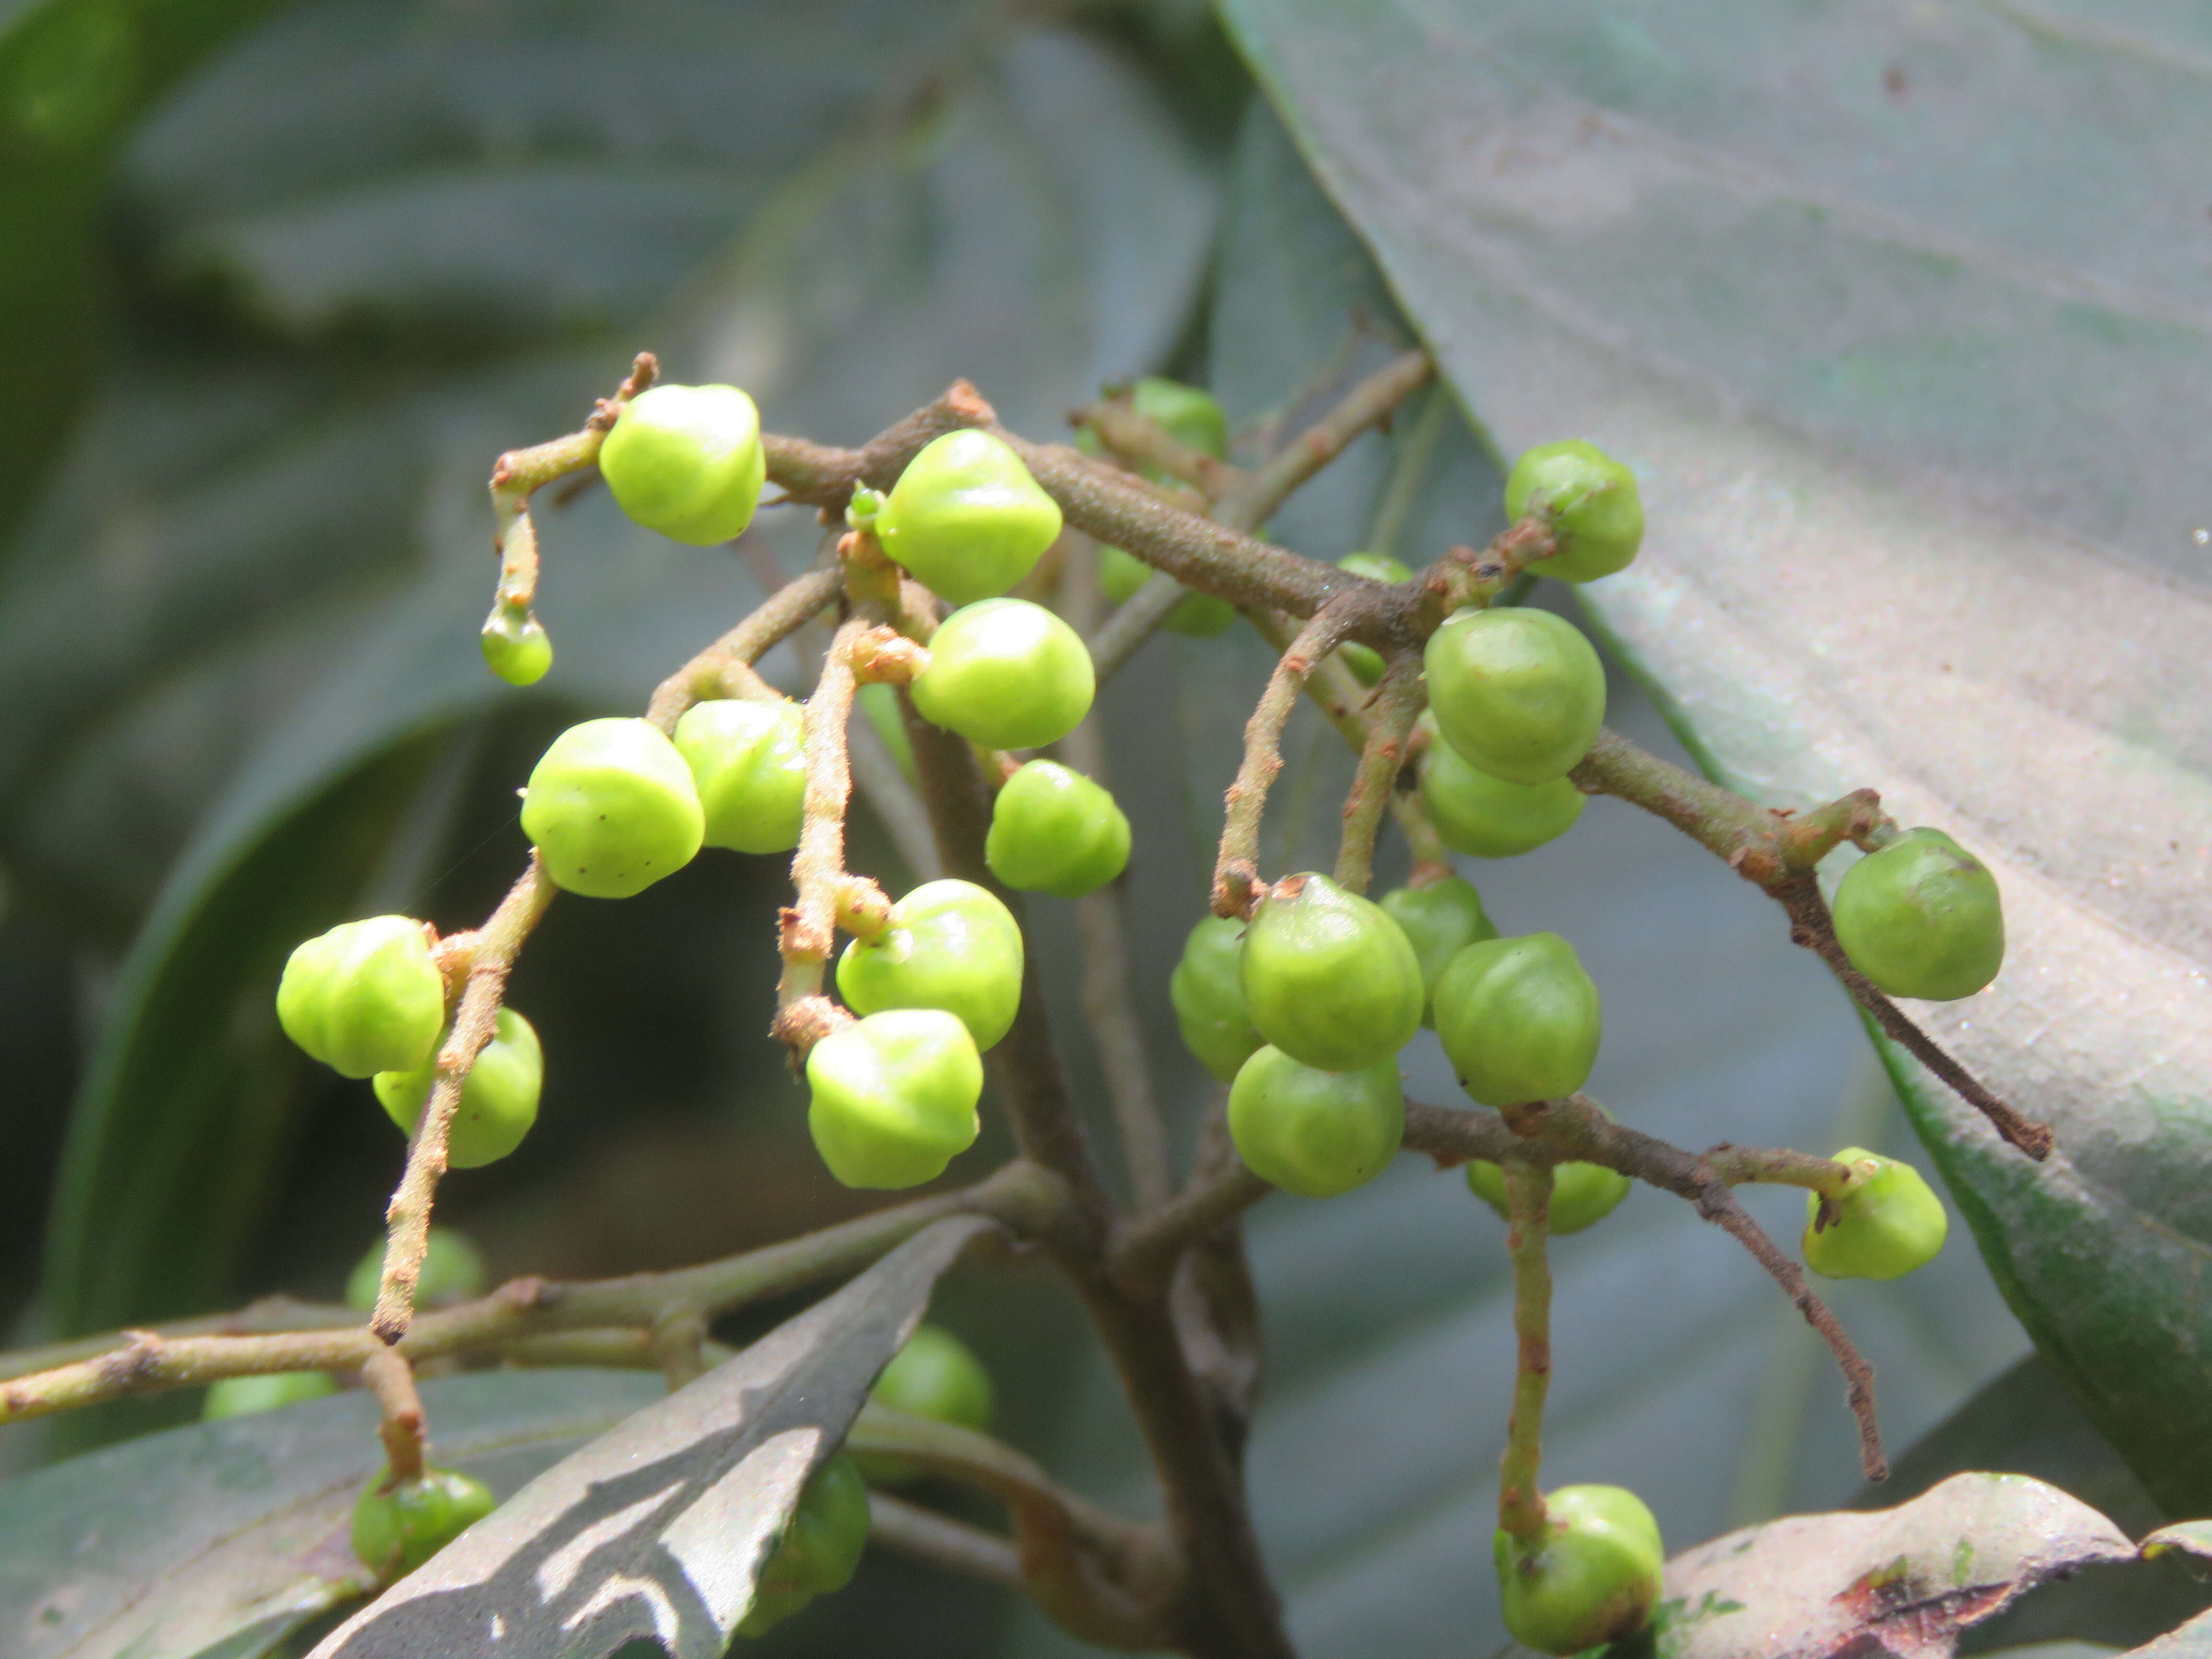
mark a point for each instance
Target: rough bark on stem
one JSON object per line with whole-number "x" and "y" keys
{"x": 1236, "y": 868}
{"x": 386, "y": 1374}
{"x": 1528, "y": 1207}
{"x": 809, "y": 934}
{"x": 1398, "y": 701}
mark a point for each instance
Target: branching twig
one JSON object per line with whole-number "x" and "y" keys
{"x": 1146, "y": 1249}
{"x": 1236, "y": 868}
{"x": 1145, "y": 442}
{"x": 710, "y": 673}
{"x": 1368, "y": 404}
{"x": 387, "y": 1374}
{"x": 1528, "y": 1207}
{"x": 941, "y": 1541}
{"x": 1398, "y": 702}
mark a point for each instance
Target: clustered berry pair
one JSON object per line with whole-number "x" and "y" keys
{"x": 1302, "y": 1010}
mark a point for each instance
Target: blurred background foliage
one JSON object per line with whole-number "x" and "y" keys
{"x": 303, "y": 269}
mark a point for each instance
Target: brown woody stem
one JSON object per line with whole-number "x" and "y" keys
{"x": 1398, "y": 702}
{"x": 386, "y": 1374}
{"x": 1236, "y": 868}
{"x": 1529, "y": 1206}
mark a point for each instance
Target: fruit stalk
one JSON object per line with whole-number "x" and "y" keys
{"x": 1236, "y": 867}
{"x": 1397, "y": 705}
{"x": 1142, "y": 440}
{"x": 941, "y": 1541}
{"x": 1528, "y": 1203}
{"x": 386, "y": 1374}
{"x": 804, "y": 1015}
{"x": 1370, "y": 402}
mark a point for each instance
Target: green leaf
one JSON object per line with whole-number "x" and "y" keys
{"x": 656, "y": 1529}
{"x": 1899, "y": 370}
{"x": 223, "y": 1537}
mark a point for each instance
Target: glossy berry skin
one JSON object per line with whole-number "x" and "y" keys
{"x": 517, "y": 648}
{"x": 820, "y": 1549}
{"x": 1364, "y": 661}
{"x": 453, "y": 1271}
{"x": 686, "y": 460}
{"x": 1207, "y": 991}
{"x": 936, "y": 1375}
{"x": 1487, "y": 818}
{"x": 1595, "y": 510}
{"x": 966, "y": 518}
{"x": 1199, "y": 615}
{"x": 749, "y": 764}
{"x": 894, "y": 1096}
{"x": 1313, "y": 1132}
{"x": 1519, "y": 692}
{"x": 1922, "y": 918}
{"x": 396, "y": 1531}
{"x": 1594, "y": 1578}
{"x": 1884, "y": 1227}
{"x": 498, "y": 1101}
{"x": 1582, "y": 1194}
{"x": 1329, "y": 978}
{"x": 950, "y": 944}
{"x": 1519, "y": 1018}
{"x": 611, "y": 809}
{"x": 1439, "y": 920}
{"x": 1007, "y": 674}
{"x": 366, "y": 997}
{"x": 1053, "y": 830}
{"x": 247, "y": 1396}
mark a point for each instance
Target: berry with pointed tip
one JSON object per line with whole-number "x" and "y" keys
{"x": 396, "y": 1528}
{"x": 820, "y": 1549}
{"x": 1207, "y": 991}
{"x": 248, "y": 1396}
{"x": 1053, "y": 830}
{"x": 949, "y": 944}
{"x": 936, "y": 1375}
{"x": 515, "y": 648}
{"x": 1922, "y": 918}
{"x": 453, "y": 1271}
{"x": 611, "y": 809}
{"x": 1313, "y": 1132}
{"x": 1596, "y": 512}
{"x": 1519, "y": 1018}
{"x": 1198, "y": 616}
{"x": 365, "y": 997}
{"x": 1329, "y": 978}
{"x": 1887, "y": 1224}
{"x": 1582, "y": 1194}
{"x": 894, "y": 1096}
{"x": 1007, "y": 674}
{"x": 1487, "y": 818}
{"x": 1519, "y": 692}
{"x": 687, "y": 461}
{"x": 1364, "y": 661}
{"x": 1440, "y": 921}
{"x": 966, "y": 519}
{"x": 1595, "y": 1576}
{"x": 498, "y": 1101}
{"x": 749, "y": 763}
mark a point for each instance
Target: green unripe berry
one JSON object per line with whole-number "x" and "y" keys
{"x": 1595, "y": 510}
{"x": 1313, "y": 1132}
{"x": 1440, "y": 921}
{"x": 366, "y": 997}
{"x": 936, "y": 1375}
{"x": 1519, "y": 1018}
{"x": 1201, "y": 615}
{"x": 1192, "y": 417}
{"x": 1593, "y": 1578}
{"x": 611, "y": 809}
{"x": 1887, "y": 1224}
{"x": 1487, "y": 818}
{"x": 397, "y": 1530}
{"x": 1007, "y": 674}
{"x": 1582, "y": 1193}
{"x": 1329, "y": 978}
{"x": 516, "y": 648}
{"x": 894, "y": 1096}
{"x": 1053, "y": 830}
{"x": 1519, "y": 692}
{"x": 498, "y": 1101}
{"x": 686, "y": 460}
{"x": 949, "y": 944}
{"x": 881, "y": 705}
{"x": 820, "y": 1549}
{"x": 1364, "y": 661}
{"x": 453, "y": 1271}
{"x": 246, "y": 1396}
{"x": 1207, "y": 991}
{"x": 749, "y": 763}
{"x": 1922, "y": 918}
{"x": 966, "y": 518}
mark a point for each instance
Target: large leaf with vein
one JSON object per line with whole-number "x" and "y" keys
{"x": 1880, "y": 302}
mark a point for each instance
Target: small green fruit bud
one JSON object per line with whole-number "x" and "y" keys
{"x": 1199, "y": 615}
{"x": 1593, "y": 1578}
{"x": 966, "y": 518}
{"x": 453, "y": 1271}
{"x": 749, "y": 762}
{"x": 611, "y": 809}
{"x": 1887, "y": 1224}
{"x": 1440, "y": 921}
{"x": 515, "y": 648}
{"x": 396, "y": 1530}
{"x": 1922, "y": 918}
{"x": 950, "y": 944}
{"x": 819, "y": 1551}
{"x": 1519, "y": 692}
{"x": 686, "y": 460}
{"x": 1519, "y": 1018}
{"x": 1595, "y": 511}
{"x": 247, "y": 1396}
{"x": 1053, "y": 830}
{"x": 894, "y": 1096}
{"x": 366, "y": 997}
{"x": 936, "y": 1375}
{"x": 1207, "y": 991}
{"x": 498, "y": 1101}
{"x": 1007, "y": 674}
{"x": 1487, "y": 818}
{"x": 1192, "y": 417}
{"x": 1329, "y": 979}
{"x": 1313, "y": 1132}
